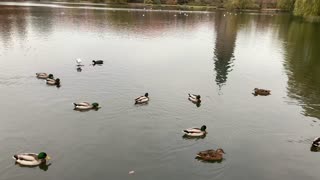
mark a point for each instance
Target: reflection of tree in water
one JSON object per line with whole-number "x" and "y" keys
{"x": 42, "y": 20}
{"x": 302, "y": 64}
{"x": 12, "y": 20}
{"x": 226, "y": 28}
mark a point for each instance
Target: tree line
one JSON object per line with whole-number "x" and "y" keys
{"x": 298, "y": 7}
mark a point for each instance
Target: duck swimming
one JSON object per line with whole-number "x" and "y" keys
{"x": 53, "y": 81}
{"x": 316, "y": 142}
{"x": 85, "y": 106}
{"x": 261, "y": 92}
{"x": 31, "y": 159}
{"x": 78, "y": 61}
{"x": 194, "y": 98}
{"x": 44, "y": 76}
{"x": 142, "y": 99}
{"x": 196, "y": 132}
{"x": 211, "y": 155}
{"x": 97, "y": 62}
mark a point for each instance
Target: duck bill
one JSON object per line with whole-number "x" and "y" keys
{"x": 48, "y": 158}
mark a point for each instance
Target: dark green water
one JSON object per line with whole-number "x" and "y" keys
{"x": 220, "y": 57}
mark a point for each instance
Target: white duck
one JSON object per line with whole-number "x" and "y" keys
{"x": 196, "y": 132}
{"x": 142, "y": 99}
{"x": 79, "y": 62}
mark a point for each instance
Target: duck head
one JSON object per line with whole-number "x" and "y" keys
{"x": 95, "y": 105}
{"x": 50, "y": 76}
{"x": 203, "y": 128}
{"x": 220, "y": 151}
{"x": 146, "y": 94}
{"x": 198, "y": 97}
{"x": 58, "y": 82}
{"x": 43, "y": 156}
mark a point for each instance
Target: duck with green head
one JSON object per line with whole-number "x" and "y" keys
{"x": 44, "y": 76}
{"x": 142, "y": 99}
{"x": 194, "y": 98}
{"x": 53, "y": 82}
{"x": 85, "y": 106}
{"x": 196, "y": 132}
{"x": 31, "y": 159}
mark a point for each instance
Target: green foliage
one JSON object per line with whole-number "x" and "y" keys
{"x": 152, "y": 1}
{"x": 240, "y": 4}
{"x": 172, "y": 2}
{"x": 148, "y": 1}
{"x": 286, "y": 4}
{"x": 119, "y": 1}
{"x": 307, "y": 8}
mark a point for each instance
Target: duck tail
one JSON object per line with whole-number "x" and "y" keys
{"x": 75, "y": 104}
{"x": 15, "y": 157}
{"x": 186, "y": 131}
{"x": 189, "y": 94}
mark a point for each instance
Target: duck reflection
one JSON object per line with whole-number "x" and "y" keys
{"x": 42, "y": 166}
{"x": 186, "y": 137}
{"x": 314, "y": 149}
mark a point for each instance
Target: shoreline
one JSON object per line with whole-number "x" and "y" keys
{"x": 204, "y": 8}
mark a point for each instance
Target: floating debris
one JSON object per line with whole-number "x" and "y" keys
{"x": 131, "y": 172}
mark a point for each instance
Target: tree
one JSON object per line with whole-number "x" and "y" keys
{"x": 286, "y": 4}
{"x": 240, "y": 4}
{"x": 307, "y": 8}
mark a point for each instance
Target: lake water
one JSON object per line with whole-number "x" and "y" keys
{"x": 218, "y": 55}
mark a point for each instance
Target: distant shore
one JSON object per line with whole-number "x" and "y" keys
{"x": 153, "y": 6}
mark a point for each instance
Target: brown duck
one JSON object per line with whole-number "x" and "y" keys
{"x": 211, "y": 155}
{"x": 261, "y": 92}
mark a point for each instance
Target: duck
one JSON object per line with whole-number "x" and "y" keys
{"x": 196, "y": 132}
{"x": 142, "y": 99}
{"x": 53, "y": 81}
{"x": 85, "y": 106}
{"x": 316, "y": 142}
{"x": 79, "y": 62}
{"x": 261, "y": 92}
{"x": 211, "y": 155}
{"x": 31, "y": 159}
{"x": 44, "y": 76}
{"x": 194, "y": 98}
{"x": 97, "y": 62}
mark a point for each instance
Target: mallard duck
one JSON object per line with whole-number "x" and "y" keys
{"x": 31, "y": 159}
{"x": 44, "y": 76}
{"x": 97, "y": 62}
{"x": 211, "y": 155}
{"x": 196, "y": 132}
{"x": 53, "y": 81}
{"x": 261, "y": 92}
{"x": 142, "y": 99}
{"x": 316, "y": 142}
{"x": 85, "y": 106}
{"x": 194, "y": 98}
